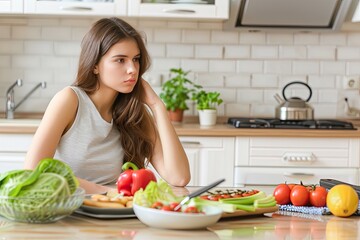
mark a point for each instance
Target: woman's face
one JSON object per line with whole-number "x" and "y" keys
{"x": 119, "y": 68}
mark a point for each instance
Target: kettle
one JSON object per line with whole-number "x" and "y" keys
{"x": 294, "y": 108}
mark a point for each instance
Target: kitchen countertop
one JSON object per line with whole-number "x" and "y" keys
{"x": 190, "y": 128}
{"x": 278, "y": 225}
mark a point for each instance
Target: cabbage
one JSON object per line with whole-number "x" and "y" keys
{"x": 47, "y": 165}
{"x": 11, "y": 179}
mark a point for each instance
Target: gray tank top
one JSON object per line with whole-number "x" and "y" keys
{"x": 91, "y": 147}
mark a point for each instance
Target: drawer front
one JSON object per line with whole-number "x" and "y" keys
{"x": 11, "y": 161}
{"x": 273, "y": 176}
{"x": 314, "y": 152}
{"x": 15, "y": 142}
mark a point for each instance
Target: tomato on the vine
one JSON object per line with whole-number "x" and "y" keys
{"x": 282, "y": 194}
{"x": 318, "y": 196}
{"x": 299, "y": 196}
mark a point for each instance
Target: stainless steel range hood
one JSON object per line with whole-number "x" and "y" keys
{"x": 287, "y": 15}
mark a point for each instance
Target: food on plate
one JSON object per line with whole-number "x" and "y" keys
{"x": 282, "y": 194}
{"x": 171, "y": 207}
{"x": 132, "y": 179}
{"x": 342, "y": 200}
{"x": 105, "y": 201}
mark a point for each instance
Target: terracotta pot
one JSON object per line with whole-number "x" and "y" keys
{"x": 176, "y": 116}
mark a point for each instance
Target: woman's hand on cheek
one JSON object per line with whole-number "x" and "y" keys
{"x": 151, "y": 98}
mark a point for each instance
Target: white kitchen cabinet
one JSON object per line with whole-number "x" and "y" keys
{"x": 11, "y": 6}
{"x": 210, "y": 159}
{"x": 211, "y": 9}
{"x": 13, "y": 148}
{"x": 268, "y": 161}
{"x": 75, "y": 7}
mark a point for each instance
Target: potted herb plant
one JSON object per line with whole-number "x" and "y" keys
{"x": 175, "y": 93}
{"x": 206, "y": 103}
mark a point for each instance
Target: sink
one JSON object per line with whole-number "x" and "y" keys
{"x": 21, "y": 122}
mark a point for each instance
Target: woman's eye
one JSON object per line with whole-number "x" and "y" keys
{"x": 121, "y": 60}
{"x": 136, "y": 59}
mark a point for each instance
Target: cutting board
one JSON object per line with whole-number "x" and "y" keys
{"x": 258, "y": 211}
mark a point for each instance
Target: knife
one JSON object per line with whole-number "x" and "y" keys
{"x": 329, "y": 183}
{"x": 198, "y": 192}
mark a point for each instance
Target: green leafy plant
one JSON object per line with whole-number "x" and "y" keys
{"x": 207, "y": 100}
{"x": 177, "y": 90}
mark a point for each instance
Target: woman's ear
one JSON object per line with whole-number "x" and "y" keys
{"x": 96, "y": 71}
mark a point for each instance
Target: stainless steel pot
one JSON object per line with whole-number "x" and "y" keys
{"x": 294, "y": 108}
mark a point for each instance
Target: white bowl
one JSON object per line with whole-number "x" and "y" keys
{"x": 177, "y": 220}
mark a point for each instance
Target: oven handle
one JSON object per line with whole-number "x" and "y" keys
{"x": 287, "y": 174}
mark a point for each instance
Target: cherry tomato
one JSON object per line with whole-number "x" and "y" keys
{"x": 292, "y": 185}
{"x": 318, "y": 196}
{"x": 166, "y": 208}
{"x": 157, "y": 205}
{"x": 173, "y": 205}
{"x": 191, "y": 209}
{"x": 282, "y": 194}
{"x": 299, "y": 196}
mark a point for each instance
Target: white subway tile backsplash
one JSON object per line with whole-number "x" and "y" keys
{"x": 39, "y": 47}
{"x": 209, "y": 51}
{"x": 280, "y": 67}
{"x": 306, "y": 38}
{"x": 321, "y": 52}
{"x": 195, "y": 65}
{"x": 252, "y": 38}
{"x": 5, "y": 32}
{"x": 56, "y": 34}
{"x": 224, "y": 37}
{"x": 330, "y": 67}
{"x": 247, "y": 68}
{"x": 196, "y": 36}
{"x": 292, "y": 52}
{"x": 264, "y": 52}
{"x": 236, "y": 52}
{"x": 11, "y": 47}
{"x": 167, "y": 35}
{"x": 180, "y": 50}
{"x": 222, "y": 66}
{"x": 306, "y": 67}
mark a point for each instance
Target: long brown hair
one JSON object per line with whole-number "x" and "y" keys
{"x": 132, "y": 118}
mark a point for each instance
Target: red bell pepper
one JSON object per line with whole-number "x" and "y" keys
{"x": 132, "y": 179}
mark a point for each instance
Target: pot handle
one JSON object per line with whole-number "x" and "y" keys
{"x": 310, "y": 91}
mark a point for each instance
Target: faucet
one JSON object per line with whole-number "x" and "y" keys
{"x": 10, "y": 100}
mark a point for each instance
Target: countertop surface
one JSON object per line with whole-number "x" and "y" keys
{"x": 277, "y": 225}
{"x": 189, "y": 128}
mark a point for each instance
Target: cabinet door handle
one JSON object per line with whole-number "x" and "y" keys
{"x": 298, "y": 174}
{"x": 76, "y": 8}
{"x": 186, "y": 11}
{"x": 191, "y": 143}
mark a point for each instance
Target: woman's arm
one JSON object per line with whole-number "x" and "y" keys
{"x": 58, "y": 118}
{"x": 169, "y": 158}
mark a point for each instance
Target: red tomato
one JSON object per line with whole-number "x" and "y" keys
{"x": 166, "y": 208}
{"x": 282, "y": 194}
{"x": 292, "y": 185}
{"x": 299, "y": 196}
{"x": 173, "y": 205}
{"x": 157, "y": 205}
{"x": 191, "y": 209}
{"x": 318, "y": 196}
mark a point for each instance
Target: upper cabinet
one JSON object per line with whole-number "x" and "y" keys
{"x": 199, "y": 9}
{"x": 11, "y": 6}
{"x": 76, "y": 7}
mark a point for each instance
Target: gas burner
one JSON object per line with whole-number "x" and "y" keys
{"x": 289, "y": 124}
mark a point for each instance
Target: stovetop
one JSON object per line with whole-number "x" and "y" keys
{"x": 240, "y": 122}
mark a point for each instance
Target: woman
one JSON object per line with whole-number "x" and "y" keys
{"x": 110, "y": 115}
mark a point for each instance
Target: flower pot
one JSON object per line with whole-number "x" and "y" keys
{"x": 207, "y": 117}
{"x": 176, "y": 116}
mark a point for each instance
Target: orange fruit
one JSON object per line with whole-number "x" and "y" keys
{"x": 342, "y": 200}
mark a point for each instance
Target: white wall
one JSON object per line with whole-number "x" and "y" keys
{"x": 247, "y": 68}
